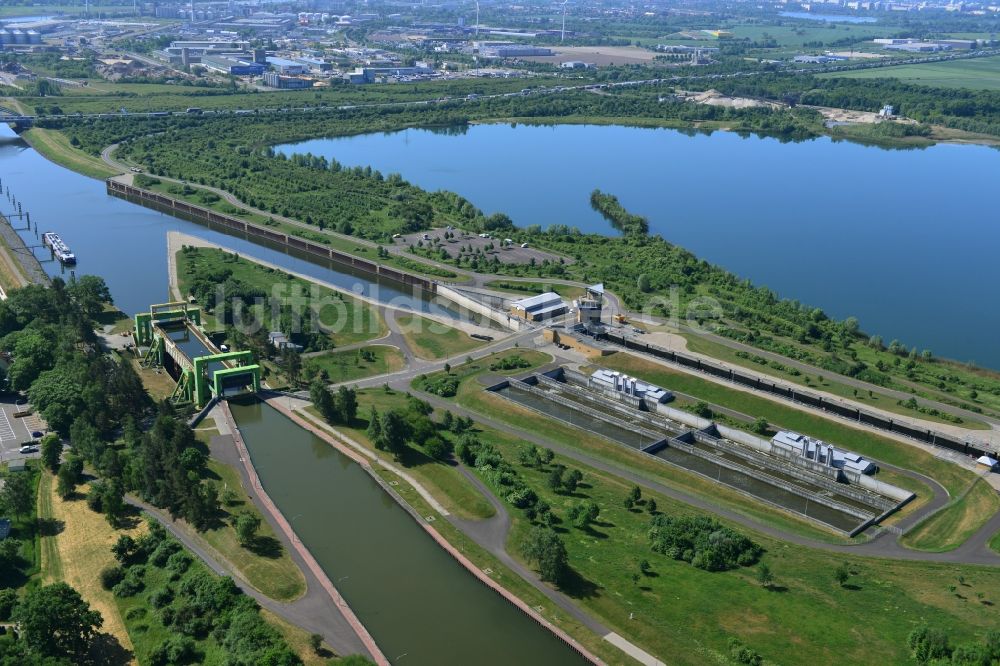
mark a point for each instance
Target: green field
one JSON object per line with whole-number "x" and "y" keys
{"x": 346, "y": 366}
{"x": 973, "y": 74}
{"x": 429, "y": 339}
{"x": 56, "y": 147}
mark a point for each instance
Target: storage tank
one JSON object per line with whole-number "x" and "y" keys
{"x": 34, "y": 37}
{"x": 4, "y": 37}
{"x": 18, "y": 37}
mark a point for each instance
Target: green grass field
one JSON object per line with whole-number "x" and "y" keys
{"x": 429, "y": 339}
{"x": 346, "y": 366}
{"x": 947, "y": 529}
{"x": 973, "y": 74}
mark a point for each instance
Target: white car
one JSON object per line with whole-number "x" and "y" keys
{"x": 28, "y": 448}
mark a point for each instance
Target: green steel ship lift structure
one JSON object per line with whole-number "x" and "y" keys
{"x": 173, "y": 330}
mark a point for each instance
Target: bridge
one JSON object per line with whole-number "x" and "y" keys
{"x": 175, "y": 341}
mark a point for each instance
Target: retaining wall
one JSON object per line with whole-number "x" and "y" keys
{"x": 200, "y": 214}
{"x": 503, "y": 318}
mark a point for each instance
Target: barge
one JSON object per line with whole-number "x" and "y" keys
{"x": 58, "y": 247}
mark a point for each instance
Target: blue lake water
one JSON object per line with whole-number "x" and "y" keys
{"x": 905, "y": 240}
{"x": 830, "y": 18}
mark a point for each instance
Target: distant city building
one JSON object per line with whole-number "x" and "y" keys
{"x": 281, "y": 342}
{"x": 286, "y": 66}
{"x": 510, "y": 50}
{"x": 577, "y": 64}
{"x": 372, "y": 74}
{"x": 275, "y": 80}
{"x": 232, "y": 66}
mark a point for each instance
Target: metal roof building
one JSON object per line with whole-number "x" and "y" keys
{"x": 823, "y": 453}
{"x": 542, "y": 306}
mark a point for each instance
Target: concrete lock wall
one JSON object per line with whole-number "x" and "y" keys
{"x": 472, "y": 305}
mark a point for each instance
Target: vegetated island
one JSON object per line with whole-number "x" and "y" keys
{"x": 628, "y": 223}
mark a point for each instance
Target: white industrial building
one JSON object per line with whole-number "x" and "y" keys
{"x": 821, "y": 452}
{"x": 610, "y": 380}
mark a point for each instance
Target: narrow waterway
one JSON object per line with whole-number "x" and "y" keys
{"x": 419, "y": 604}
{"x": 126, "y": 243}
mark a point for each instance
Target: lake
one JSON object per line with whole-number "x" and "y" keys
{"x": 905, "y": 240}
{"x": 829, "y": 18}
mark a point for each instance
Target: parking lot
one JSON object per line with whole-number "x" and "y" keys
{"x": 16, "y": 431}
{"x": 465, "y": 243}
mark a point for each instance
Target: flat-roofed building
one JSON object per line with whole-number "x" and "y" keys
{"x": 819, "y": 451}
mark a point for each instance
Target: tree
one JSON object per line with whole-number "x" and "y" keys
{"x": 374, "y": 431}
{"x": 841, "y": 574}
{"x": 291, "y": 360}
{"x": 246, "y": 525}
{"x": 316, "y": 643}
{"x": 394, "y": 431}
{"x": 764, "y": 575}
{"x": 323, "y": 399}
{"x": 57, "y": 622}
{"x": 67, "y": 482}
{"x": 347, "y": 404}
{"x": 114, "y": 501}
{"x": 761, "y": 426}
{"x": 635, "y": 494}
{"x": 124, "y": 548}
{"x": 928, "y": 645}
{"x": 18, "y": 495}
{"x": 555, "y": 479}
{"x": 546, "y": 456}
{"x": 584, "y": 514}
{"x": 651, "y": 506}
{"x": 572, "y": 480}
{"x": 544, "y": 546}
{"x": 51, "y": 451}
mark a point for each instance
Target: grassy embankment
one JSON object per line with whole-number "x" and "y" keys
{"x": 955, "y": 479}
{"x": 532, "y": 288}
{"x": 200, "y": 196}
{"x": 821, "y": 381}
{"x": 444, "y": 481}
{"x": 690, "y": 614}
{"x": 432, "y": 340}
{"x": 54, "y": 145}
{"x": 264, "y": 563}
{"x": 352, "y": 320}
{"x": 963, "y": 517}
{"x": 347, "y": 366}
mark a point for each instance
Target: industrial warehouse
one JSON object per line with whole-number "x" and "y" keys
{"x": 814, "y": 479}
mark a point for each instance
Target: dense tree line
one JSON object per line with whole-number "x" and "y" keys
{"x": 702, "y": 541}
{"x": 621, "y": 219}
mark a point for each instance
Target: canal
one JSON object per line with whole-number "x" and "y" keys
{"x": 419, "y": 604}
{"x": 126, "y": 244}
{"x": 904, "y": 240}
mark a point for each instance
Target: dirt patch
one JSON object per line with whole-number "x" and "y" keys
{"x": 715, "y": 98}
{"x": 468, "y": 244}
{"x": 851, "y": 116}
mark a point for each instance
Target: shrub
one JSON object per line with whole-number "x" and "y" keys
{"x": 8, "y": 598}
{"x": 163, "y": 552}
{"x": 136, "y": 613}
{"x": 703, "y": 542}
{"x": 174, "y": 650}
{"x": 111, "y": 576}
{"x": 179, "y": 562}
{"x": 161, "y": 597}
{"x": 131, "y": 584}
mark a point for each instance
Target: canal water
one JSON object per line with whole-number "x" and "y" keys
{"x": 126, "y": 244}
{"x": 905, "y": 240}
{"x": 419, "y": 604}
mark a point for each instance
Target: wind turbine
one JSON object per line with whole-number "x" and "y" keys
{"x": 562, "y": 37}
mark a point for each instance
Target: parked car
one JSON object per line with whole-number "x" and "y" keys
{"x": 37, "y": 434}
{"x": 29, "y": 448}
